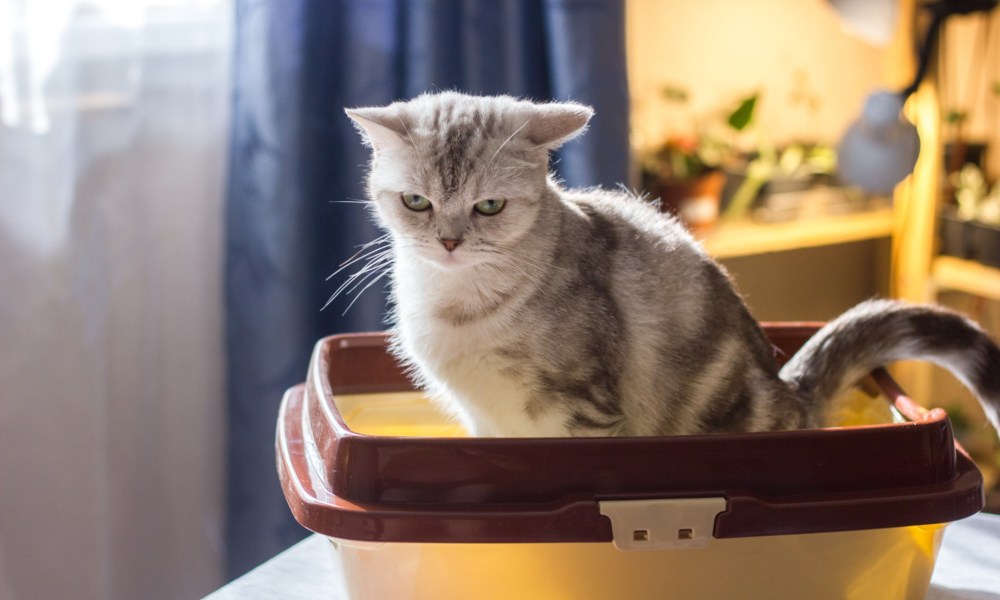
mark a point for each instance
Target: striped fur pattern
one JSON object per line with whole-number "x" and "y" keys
{"x": 588, "y": 312}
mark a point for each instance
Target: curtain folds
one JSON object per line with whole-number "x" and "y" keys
{"x": 297, "y": 168}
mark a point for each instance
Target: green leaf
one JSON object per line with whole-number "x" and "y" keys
{"x": 995, "y": 86}
{"x": 743, "y": 114}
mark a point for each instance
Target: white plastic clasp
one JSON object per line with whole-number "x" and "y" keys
{"x": 660, "y": 524}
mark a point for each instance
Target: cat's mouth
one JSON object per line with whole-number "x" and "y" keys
{"x": 449, "y": 261}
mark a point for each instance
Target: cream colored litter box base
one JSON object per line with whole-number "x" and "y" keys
{"x": 878, "y": 565}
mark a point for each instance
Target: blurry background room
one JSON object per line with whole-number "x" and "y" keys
{"x": 178, "y": 181}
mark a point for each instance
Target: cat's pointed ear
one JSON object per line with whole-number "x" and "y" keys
{"x": 381, "y": 127}
{"x": 552, "y": 125}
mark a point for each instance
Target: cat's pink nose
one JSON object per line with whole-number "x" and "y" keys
{"x": 450, "y": 245}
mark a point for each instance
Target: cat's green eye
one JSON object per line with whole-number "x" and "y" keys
{"x": 489, "y": 206}
{"x": 415, "y": 202}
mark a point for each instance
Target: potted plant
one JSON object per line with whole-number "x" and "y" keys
{"x": 970, "y": 229}
{"x": 685, "y": 171}
{"x": 959, "y": 151}
{"x": 795, "y": 167}
{"x": 790, "y": 169}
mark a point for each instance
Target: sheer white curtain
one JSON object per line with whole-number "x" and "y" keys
{"x": 113, "y": 124}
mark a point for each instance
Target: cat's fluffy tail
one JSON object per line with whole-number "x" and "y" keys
{"x": 878, "y": 332}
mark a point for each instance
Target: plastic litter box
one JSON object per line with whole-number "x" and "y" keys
{"x": 415, "y": 510}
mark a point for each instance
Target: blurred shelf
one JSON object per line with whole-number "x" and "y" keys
{"x": 950, "y": 273}
{"x": 746, "y": 238}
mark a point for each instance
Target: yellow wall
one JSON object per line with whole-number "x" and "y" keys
{"x": 721, "y": 49}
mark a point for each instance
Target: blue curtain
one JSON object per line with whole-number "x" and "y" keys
{"x": 295, "y": 159}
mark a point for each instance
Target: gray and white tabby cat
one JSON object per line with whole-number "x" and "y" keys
{"x": 528, "y": 309}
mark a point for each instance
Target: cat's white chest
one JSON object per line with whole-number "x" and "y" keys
{"x": 483, "y": 387}
{"x": 464, "y": 364}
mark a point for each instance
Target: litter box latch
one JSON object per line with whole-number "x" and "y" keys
{"x": 660, "y": 524}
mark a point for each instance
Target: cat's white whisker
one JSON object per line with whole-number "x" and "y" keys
{"x": 379, "y": 240}
{"x": 358, "y": 295}
{"x": 380, "y": 262}
{"x": 384, "y": 259}
{"x": 359, "y": 256}
{"x": 368, "y": 272}
{"x": 352, "y": 284}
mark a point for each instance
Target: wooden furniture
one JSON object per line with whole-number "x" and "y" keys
{"x": 744, "y": 238}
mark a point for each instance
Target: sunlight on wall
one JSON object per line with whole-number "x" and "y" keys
{"x": 813, "y": 76}
{"x": 969, "y": 69}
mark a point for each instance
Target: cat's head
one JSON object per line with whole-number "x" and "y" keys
{"x": 459, "y": 179}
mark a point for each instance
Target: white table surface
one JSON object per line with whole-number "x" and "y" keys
{"x": 968, "y": 568}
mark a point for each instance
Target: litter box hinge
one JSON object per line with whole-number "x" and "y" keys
{"x": 659, "y": 524}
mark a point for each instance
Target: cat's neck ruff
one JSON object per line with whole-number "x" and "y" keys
{"x": 465, "y": 296}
